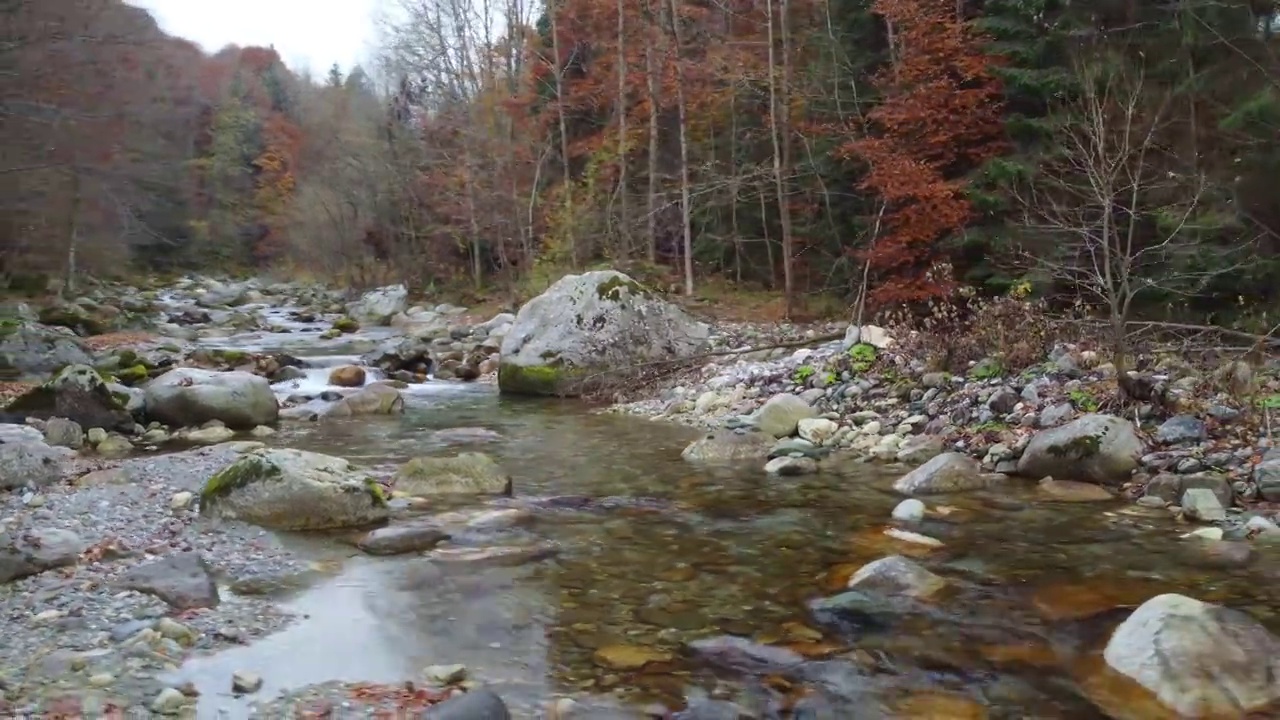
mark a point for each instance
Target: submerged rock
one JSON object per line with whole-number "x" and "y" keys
{"x": 896, "y": 575}
{"x": 728, "y": 446}
{"x": 288, "y": 489}
{"x": 1200, "y": 660}
{"x": 587, "y": 327}
{"x": 375, "y": 399}
{"x": 468, "y": 473}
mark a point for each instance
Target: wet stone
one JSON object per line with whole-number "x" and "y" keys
{"x": 399, "y": 539}
{"x": 183, "y": 580}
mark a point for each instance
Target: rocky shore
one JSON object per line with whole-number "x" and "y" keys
{"x": 846, "y": 400}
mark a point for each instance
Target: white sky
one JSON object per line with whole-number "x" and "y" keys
{"x": 308, "y": 34}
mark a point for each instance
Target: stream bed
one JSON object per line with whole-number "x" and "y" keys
{"x": 647, "y": 553}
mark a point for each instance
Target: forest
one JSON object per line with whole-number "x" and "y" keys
{"x": 1112, "y": 153}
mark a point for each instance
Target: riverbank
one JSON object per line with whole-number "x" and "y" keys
{"x": 873, "y": 403}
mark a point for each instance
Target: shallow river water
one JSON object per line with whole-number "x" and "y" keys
{"x": 679, "y": 553}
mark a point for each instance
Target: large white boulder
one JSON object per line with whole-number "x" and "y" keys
{"x": 589, "y": 330}
{"x": 191, "y": 396}
{"x": 377, "y": 307}
{"x": 286, "y": 489}
{"x": 1198, "y": 659}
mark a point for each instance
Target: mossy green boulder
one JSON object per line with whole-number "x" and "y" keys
{"x": 76, "y": 393}
{"x": 589, "y": 331}
{"x": 346, "y": 325}
{"x": 469, "y": 473}
{"x": 286, "y": 489}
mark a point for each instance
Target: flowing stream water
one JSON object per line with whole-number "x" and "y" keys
{"x": 676, "y": 552}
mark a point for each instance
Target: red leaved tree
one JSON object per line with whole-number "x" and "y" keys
{"x": 939, "y": 120}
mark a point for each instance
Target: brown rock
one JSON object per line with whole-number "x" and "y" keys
{"x": 347, "y": 376}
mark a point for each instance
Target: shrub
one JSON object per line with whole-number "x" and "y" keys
{"x": 953, "y": 332}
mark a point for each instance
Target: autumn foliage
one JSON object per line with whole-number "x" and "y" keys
{"x": 939, "y": 120}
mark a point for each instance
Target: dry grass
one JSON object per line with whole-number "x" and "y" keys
{"x": 11, "y": 390}
{"x": 108, "y": 341}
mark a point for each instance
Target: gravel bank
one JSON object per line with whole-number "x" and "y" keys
{"x": 77, "y": 635}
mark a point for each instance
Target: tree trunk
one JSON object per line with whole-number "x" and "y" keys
{"x": 624, "y": 220}
{"x": 651, "y": 71}
{"x": 564, "y": 138}
{"x": 778, "y": 134}
{"x": 686, "y": 211}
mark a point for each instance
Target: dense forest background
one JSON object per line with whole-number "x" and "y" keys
{"x": 893, "y": 151}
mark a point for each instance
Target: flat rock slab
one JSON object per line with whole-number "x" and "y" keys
{"x": 183, "y": 580}
{"x": 498, "y": 555}
{"x": 32, "y": 552}
{"x": 400, "y": 539}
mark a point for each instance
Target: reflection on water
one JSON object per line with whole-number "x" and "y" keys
{"x": 711, "y": 552}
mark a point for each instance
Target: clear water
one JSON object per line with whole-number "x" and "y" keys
{"x": 702, "y": 552}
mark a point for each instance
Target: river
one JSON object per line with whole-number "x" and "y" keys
{"x": 680, "y": 552}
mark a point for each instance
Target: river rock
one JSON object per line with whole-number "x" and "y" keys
{"x": 584, "y": 325}
{"x": 77, "y": 393}
{"x": 741, "y": 654}
{"x": 478, "y": 704}
{"x": 377, "y": 306}
{"x": 1181, "y": 429}
{"x": 728, "y": 446}
{"x": 945, "y": 473}
{"x": 1170, "y": 487}
{"x": 29, "y": 552}
{"x": 31, "y": 349}
{"x": 61, "y": 432}
{"x": 1201, "y": 504}
{"x": 896, "y": 575}
{"x": 919, "y": 449}
{"x": 1267, "y": 475}
{"x": 1100, "y": 448}
{"x": 191, "y": 396}
{"x": 183, "y": 580}
{"x": 398, "y": 539}
{"x": 791, "y": 466}
{"x": 1073, "y": 491}
{"x": 1198, "y": 659}
{"x": 909, "y": 510}
{"x": 287, "y": 489}
{"x": 26, "y": 462}
{"x": 780, "y": 416}
{"x": 374, "y": 399}
{"x": 347, "y": 376}
{"x": 468, "y": 473}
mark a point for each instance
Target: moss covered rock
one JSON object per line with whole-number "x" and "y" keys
{"x": 463, "y": 474}
{"x": 346, "y": 325}
{"x": 589, "y": 331}
{"x": 287, "y": 489}
{"x": 77, "y": 393}
{"x": 1098, "y": 448}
